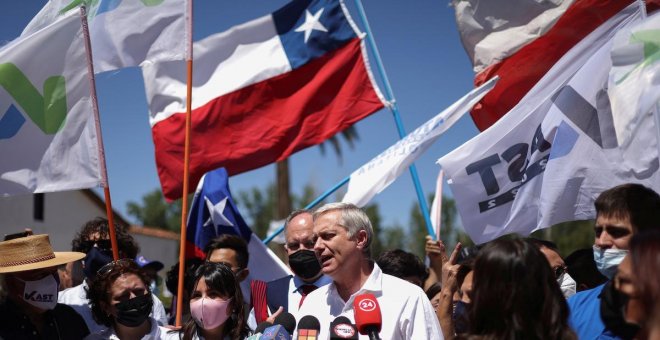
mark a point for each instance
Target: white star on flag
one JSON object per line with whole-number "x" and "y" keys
{"x": 216, "y": 217}
{"x": 311, "y": 23}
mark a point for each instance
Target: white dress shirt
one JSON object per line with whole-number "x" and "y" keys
{"x": 155, "y": 333}
{"x": 406, "y": 311}
{"x": 76, "y": 297}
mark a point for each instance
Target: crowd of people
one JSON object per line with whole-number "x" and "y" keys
{"x": 509, "y": 288}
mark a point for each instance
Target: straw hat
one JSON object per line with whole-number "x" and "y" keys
{"x": 32, "y": 252}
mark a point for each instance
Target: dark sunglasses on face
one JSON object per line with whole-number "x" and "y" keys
{"x": 101, "y": 244}
{"x": 559, "y": 271}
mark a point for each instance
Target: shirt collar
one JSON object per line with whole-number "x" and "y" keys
{"x": 320, "y": 282}
{"x": 373, "y": 285}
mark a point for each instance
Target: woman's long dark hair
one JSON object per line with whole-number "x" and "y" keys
{"x": 516, "y": 295}
{"x": 220, "y": 278}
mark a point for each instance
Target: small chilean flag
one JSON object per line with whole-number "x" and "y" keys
{"x": 261, "y": 91}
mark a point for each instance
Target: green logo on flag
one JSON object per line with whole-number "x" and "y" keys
{"x": 106, "y": 5}
{"x": 650, "y": 39}
{"x": 47, "y": 111}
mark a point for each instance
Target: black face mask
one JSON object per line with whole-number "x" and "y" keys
{"x": 133, "y": 312}
{"x": 94, "y": 260}
{"x": 612, "y": 311}
{"x": 460, "y": 317}
{"x": 304, "y": 264}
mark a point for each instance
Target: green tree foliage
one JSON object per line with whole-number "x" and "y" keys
{"x": 450, "y": 230}
{"x": 569, "y": 236}
{"x": 155, "y": 212}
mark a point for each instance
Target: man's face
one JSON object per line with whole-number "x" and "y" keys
{"x": 556, "y": 262}
{"x": 16, "y": 285}
{"x": 300, "y": 234}
{"x": 333, "y": 247}
{"x": 228, "y": 256}
{"x": 612, "y": 232}
{"x": 465, "y": 291}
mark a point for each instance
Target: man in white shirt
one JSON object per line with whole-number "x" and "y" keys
{"x": 290, "y": 291}
{"x": 343, "y": 236}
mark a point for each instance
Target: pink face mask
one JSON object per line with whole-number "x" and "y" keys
{"x": 209, "y": 313}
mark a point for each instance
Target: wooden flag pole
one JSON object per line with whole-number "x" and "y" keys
{"x": 186, "y": 165}
{"x": 97, "y": 123}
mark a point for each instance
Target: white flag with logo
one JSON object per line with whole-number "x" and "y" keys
{"x": 547, "y": 160}
{"x": 634, "y": 83}
{"x": 125, "y": 33}
{"x": 48, "y": 136}
{"x": 373, "y": 177}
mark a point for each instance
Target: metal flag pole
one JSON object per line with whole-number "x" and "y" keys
{"x": 395, "y": 112}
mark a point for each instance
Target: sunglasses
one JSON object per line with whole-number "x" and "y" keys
{"x": 559, "y": 271}
{"x": 114, "y": 265}
{"x": 101, "y": 244}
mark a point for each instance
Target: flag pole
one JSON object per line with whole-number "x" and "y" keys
{"x": 99, "y": 139}
{"x": 310, "y": 205}
{"x": 186, "y": 164}
{"x": 438, "y": 200}
{"x": 397, "y": 117}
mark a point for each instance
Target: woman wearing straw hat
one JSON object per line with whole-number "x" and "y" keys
{"x": 30, "y": 309}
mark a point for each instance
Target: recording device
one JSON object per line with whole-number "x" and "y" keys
{"x": 262, "y": 327}
{"x": 368, "y": 318}
{"x": 342, "y": 328}
{"x": 259, "y": 330}
{"x": 308, "y": 328}
{"x": 275, "y": 332}
{"x": 287, "y": 321}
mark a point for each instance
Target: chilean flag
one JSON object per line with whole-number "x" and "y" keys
{"x": 521, "y": 68}
{"x": 214, "y": 213}
{"x": 261, "y": 91}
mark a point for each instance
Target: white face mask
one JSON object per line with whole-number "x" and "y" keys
{"x": 41, "y": 293}
{"x": 567, "y": 285}
{"x": 607, "y": 260}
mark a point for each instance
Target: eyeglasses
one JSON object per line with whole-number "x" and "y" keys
{"x": 111, "y": 266}
{"x": 559, "y": 271}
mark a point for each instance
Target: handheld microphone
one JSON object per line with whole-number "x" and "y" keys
{"x": 308, "y": 328}
{"x": 287, "y": 320}
{"x": 342, "y": 328}
{"x": 367, "y": 315}
{"x": 259, "y": 330}
{"x": 275, "y": 332}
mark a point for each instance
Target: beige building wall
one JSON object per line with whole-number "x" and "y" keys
{"x": 64, "y": 213}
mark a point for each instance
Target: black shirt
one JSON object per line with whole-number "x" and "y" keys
{"x": 60, "y": 323}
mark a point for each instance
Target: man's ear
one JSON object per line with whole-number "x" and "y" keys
{"x": 243, "y": 274}
{"x": 362, "y": 238}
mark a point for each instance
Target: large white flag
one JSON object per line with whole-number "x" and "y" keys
{"x": 547, "y": 160}
{"x": 48, "y": 137}
{"x": 125, "y": 33}
{"x": 373, "y": 177}
{"x": 634, "y": 84}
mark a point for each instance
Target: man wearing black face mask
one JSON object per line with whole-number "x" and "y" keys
{"x": 30, "y": 309}
{"x": 94, "y": 241}
{"x": 289, "y": 292}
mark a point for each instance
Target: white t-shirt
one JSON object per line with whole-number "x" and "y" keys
{"x": 406, "y": 311}
{"x": 76, "y": 297}
{"x": 155, "y": 333}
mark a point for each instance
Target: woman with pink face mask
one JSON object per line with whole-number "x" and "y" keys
{"x": 216, "y": 305}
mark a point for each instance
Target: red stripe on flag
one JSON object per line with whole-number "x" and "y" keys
{"x": 521, "y": 71}
{"x": 268, "y": 121}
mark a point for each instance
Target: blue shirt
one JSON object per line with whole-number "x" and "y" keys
{"x": 585, "y": 315}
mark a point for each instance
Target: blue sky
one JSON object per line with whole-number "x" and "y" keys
{"x": 422, "y": 55}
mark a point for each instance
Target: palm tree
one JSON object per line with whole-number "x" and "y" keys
{"x": 284, "y": 206}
